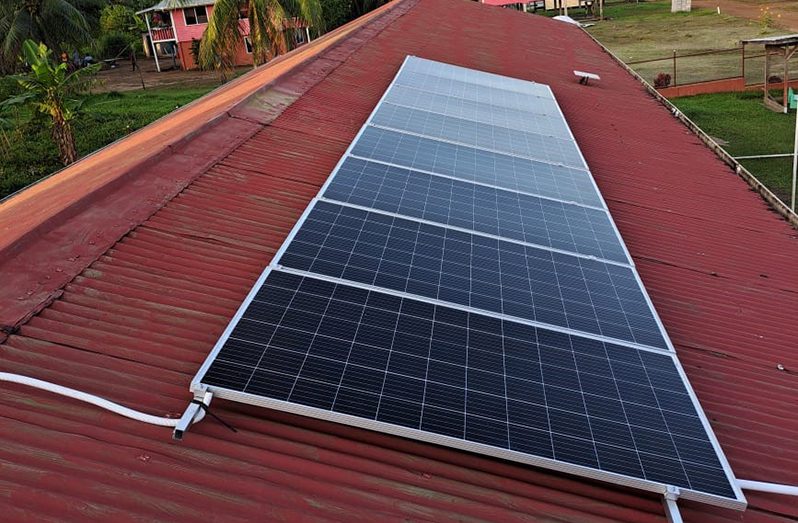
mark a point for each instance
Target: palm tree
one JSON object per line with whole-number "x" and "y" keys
{"x": 46, "y": 90}
{"x": 52, "y": 22}
{"x": 268, "y": 20}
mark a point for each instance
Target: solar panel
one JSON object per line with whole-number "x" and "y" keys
{"x": 541, "y": 119}
{"x": 485, "y": 273}
{"x": 464, "y": 377}
{"x": 508, "y": 214}
{"x": 476, "y": 134}
{"x": 477, "y": 165}
{"x": 459, "y": 281}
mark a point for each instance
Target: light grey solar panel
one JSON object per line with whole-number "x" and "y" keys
{"x": 472, "y": 133}
{"x": 467, "y": 287}
{"x": 473, "y": 77}
{"x": 477, "y": 165}
{"x": 536, "y": 119}
{"x": 477, "y": 93}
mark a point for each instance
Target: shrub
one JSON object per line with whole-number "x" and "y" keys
{"x": 8, "y": 87}
{"x": 662, "y": 80}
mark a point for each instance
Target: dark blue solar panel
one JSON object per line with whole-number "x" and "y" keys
{"x": 469, "y": 164}
{"x": 468, "y": 132}
{"x": 458, "y": 267}
{"x": 467, "y": 376}
{"x": 502, "y": 213}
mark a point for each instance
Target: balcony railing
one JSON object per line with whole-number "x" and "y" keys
{"x": 160, "y": 34}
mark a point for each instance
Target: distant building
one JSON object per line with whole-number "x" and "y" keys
{"x": 175, "y": 27}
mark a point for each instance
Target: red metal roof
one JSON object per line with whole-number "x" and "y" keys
{"x": 133, "y": 319}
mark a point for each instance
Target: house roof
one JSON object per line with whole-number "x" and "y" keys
{"x": 125, "y": 268}
{"x": 169, "y": 5}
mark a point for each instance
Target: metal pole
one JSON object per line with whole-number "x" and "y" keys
{"x": 795, "y": 164}
{"x": 152, "y": 42}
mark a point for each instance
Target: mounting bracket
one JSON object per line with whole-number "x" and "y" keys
{"x": 202, "y": 399}
{"x": 669, "y": 499}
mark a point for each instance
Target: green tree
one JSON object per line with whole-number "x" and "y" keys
{"x": 336, "y": 12}
{"x": 59, "y": 24}
{"x": 268, "y": 20}
{"x": 47, "y": 89}
{"x": 361, "y": 7}
{"x": 119, "y": 18}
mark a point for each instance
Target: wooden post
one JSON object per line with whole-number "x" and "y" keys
{"x": 767, "y": 72}
{"x": 674, "y": 67}
{"x": 742, "y": 65}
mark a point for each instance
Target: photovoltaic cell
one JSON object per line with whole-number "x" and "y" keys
{"x": 476, "y": 92}
{"x": 549, "y": 223}
{"x": 475, "y": 165}
{"x": 473, "y": 77}
{"x": 466, "y": 376}
{"x": 475, "y": 271}
{"x": 546, "y": 123}
{"x": 508, "y": 322}
{"x": 475, "y": 134}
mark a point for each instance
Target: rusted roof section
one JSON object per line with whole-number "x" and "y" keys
{"x": 136, "y": 323}
{"x": 49, "y": 233}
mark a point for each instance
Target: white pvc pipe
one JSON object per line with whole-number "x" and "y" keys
{"x": 96, "y": 400}
{"x": 761, "y": 486}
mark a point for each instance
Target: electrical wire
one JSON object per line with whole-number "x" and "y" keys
{"x": 96, "y": 400}
{"x": 761, "y": 486}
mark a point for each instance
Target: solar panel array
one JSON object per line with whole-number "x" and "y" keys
{"x": 459, "y": 280}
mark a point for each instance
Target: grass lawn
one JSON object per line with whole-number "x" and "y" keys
{"x": 647, "y": 30}
{"x": 28, "y": 154}
{"x": 749, "y": 128}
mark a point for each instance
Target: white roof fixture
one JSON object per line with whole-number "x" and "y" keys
{"x": 566, "y": 19}
{"x": 584, "y": 77}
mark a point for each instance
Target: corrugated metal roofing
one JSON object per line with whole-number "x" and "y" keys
{"x": 135, "y": 324}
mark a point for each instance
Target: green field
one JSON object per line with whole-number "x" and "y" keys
{"x": 648, "y": 30}
{"x": 742, "y": 120}
{"x": 28, "y": 154}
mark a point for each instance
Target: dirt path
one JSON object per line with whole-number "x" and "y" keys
{"x": 123, "y": 78}
{"x": 788, "y": 9}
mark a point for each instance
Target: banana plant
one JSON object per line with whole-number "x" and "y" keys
{"x": 48, "y": 89}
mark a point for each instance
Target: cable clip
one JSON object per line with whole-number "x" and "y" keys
{"x": 204, "y": 407}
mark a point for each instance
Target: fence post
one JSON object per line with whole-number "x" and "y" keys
{"x": 742, "y": 66}
{"x": 674, "y": 67}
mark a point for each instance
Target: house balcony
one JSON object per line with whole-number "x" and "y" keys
{"x": 162, "y": 34}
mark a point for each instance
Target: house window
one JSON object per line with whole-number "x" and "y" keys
{"x": 248, "y": 44}
{"x": 195, "y": 15}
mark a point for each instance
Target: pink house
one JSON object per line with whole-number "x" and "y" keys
{"x": 174, "y": 26}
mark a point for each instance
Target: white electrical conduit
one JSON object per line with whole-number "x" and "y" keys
{"x": 775, "y": 488}
{"x": 96, "y": 400}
